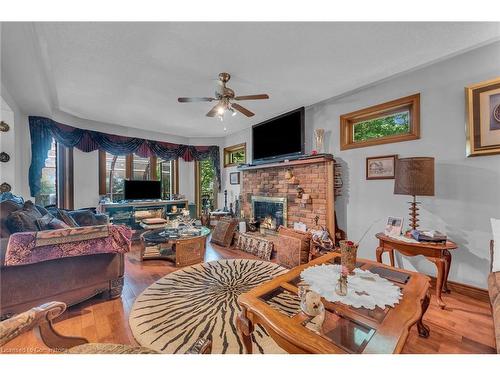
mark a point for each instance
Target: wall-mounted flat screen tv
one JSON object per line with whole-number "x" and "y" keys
{"x": 142, "y": 189}
{"x": 279, "y": 138}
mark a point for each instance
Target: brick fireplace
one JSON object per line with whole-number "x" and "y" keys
{"x": 315, "y": 176}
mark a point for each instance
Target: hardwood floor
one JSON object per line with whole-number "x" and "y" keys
{"x": 465, "y": 326}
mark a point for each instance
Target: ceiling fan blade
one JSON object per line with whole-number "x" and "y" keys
{"x": 243, "y": 110}
{"x": 252, "y": 97}
{"x": 200, "y": 99}
{"x": 213, "y": 111}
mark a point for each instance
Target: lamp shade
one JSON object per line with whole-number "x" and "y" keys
{"x": 414, "y": 176}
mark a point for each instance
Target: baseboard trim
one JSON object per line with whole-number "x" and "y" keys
{"x": 466, "y": 290}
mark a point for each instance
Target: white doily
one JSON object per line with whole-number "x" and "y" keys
{"x": 364, "y": 288}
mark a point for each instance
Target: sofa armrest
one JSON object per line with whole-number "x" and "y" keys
{"x": 39, "y": 318}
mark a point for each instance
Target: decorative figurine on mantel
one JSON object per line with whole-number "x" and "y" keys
{"x": 319, "y": 135}
{"x": 300, "y": 191}
{"x": 225, "y": 201}
{"x": 237, "y": 211}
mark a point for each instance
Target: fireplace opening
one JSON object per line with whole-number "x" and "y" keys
{"x": 270, "y": 212}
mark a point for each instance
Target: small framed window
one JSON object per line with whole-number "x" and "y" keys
{"x": 394, "y": 121}
{"x": 235, "y": 155}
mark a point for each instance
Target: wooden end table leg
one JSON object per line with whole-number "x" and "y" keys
{"x": 440, "y": 264}
{"x": 447, "y": 265}
{"x": 245, "y": 327}
{"x": 391, "y": 257}
{"x": 379, "y": 252}
{"x": 423, "y": 330}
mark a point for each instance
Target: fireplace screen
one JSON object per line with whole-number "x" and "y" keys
{"x": 269, "y": 211}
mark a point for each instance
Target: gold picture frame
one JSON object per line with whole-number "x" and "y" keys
{"x": 482, "y": 101}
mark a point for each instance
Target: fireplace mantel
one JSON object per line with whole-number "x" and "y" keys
{"x": 314, "y": 174}
{"x": 307, "y": 160}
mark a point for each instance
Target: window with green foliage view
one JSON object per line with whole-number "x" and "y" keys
{"x": 393, "y": 124}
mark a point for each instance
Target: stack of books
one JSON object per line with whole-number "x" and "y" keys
{"x": 428, "y": 235}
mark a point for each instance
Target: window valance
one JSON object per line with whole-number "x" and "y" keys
{"x": 43, "y": 130}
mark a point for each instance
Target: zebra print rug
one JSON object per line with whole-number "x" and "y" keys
{"x": 201, "y": 301}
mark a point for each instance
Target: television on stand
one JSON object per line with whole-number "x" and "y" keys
{"x": 142, "y": 190}
{"x": 280, "y": 138}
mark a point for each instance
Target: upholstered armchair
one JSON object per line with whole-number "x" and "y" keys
{"x": 40, "y": 319}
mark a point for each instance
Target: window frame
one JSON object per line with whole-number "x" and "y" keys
{"x": 197, "y": 189}
{"x": 231, "y": 149}
{"x": 63, "y": 176}
{"x": 347, "y": 122}
{"x": 129, "y": 165}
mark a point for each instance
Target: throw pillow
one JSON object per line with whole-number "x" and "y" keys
{"x": 257, "y": 246}
{"x": 288, "y": 251}
{"x": 83, "y": 218}
{"x": 48, "y": 221}
{"x": 68, "y": 219}
{"x": 495, "y": 226}
{"x": 6, "y": 208}
{"x": 305, "y": 241}
{"x": 224, "y": 232}
{"x": 24, "y": 220}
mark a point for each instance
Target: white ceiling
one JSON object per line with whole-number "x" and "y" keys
{"x": 131, "y": 74}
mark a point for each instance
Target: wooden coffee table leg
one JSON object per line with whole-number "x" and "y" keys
{"x": 245, "y": 327}
{"x": 447, "y": 258}
{"x": 423, "y": 330}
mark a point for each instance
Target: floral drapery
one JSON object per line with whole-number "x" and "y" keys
{"x": 43, "y": 130}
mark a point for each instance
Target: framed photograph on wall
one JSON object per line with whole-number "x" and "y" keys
{"x": 380, "y": 167}
{"x": 234, "y": 178}
{"x": 483, "y": 118}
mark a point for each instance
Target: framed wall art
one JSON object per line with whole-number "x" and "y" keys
{"x": 234, "y": 178}
{"x": 483, "y": 118}
{"x": 380, "y": 167}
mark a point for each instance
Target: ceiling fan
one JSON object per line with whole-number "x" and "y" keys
{"x": 225, "y": 98}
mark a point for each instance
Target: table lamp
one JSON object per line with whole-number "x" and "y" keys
{"x": 414, "y": 176}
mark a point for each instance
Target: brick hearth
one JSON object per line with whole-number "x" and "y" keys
{"x": 315, "y": 176}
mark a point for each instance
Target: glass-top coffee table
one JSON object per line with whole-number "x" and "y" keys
{"x": 183, "y": 246}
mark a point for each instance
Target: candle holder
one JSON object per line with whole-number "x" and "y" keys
{"x": 341, "y": 288}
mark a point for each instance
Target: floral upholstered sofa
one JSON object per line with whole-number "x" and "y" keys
{"x": 43, "y": 258}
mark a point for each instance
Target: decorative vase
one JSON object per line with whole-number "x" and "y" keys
{"x": 319, "y": 135}
{"x": 348, "y": 253}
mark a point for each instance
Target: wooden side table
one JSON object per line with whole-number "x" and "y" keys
{"x": 437, "y": 253}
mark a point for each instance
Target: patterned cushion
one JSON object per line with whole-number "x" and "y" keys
{"x": 48, "y": 221}
{"x": 224, "y": 232}
{"x": 24, "y": 220}
{"x": 68, "y": 219}
{"x": 83, "y": 218}
{"x": 6, "y": 208}
{"x": 288, "y": 251}
{"x": 255, "y": 245}
{"x": 305, "y": 241}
